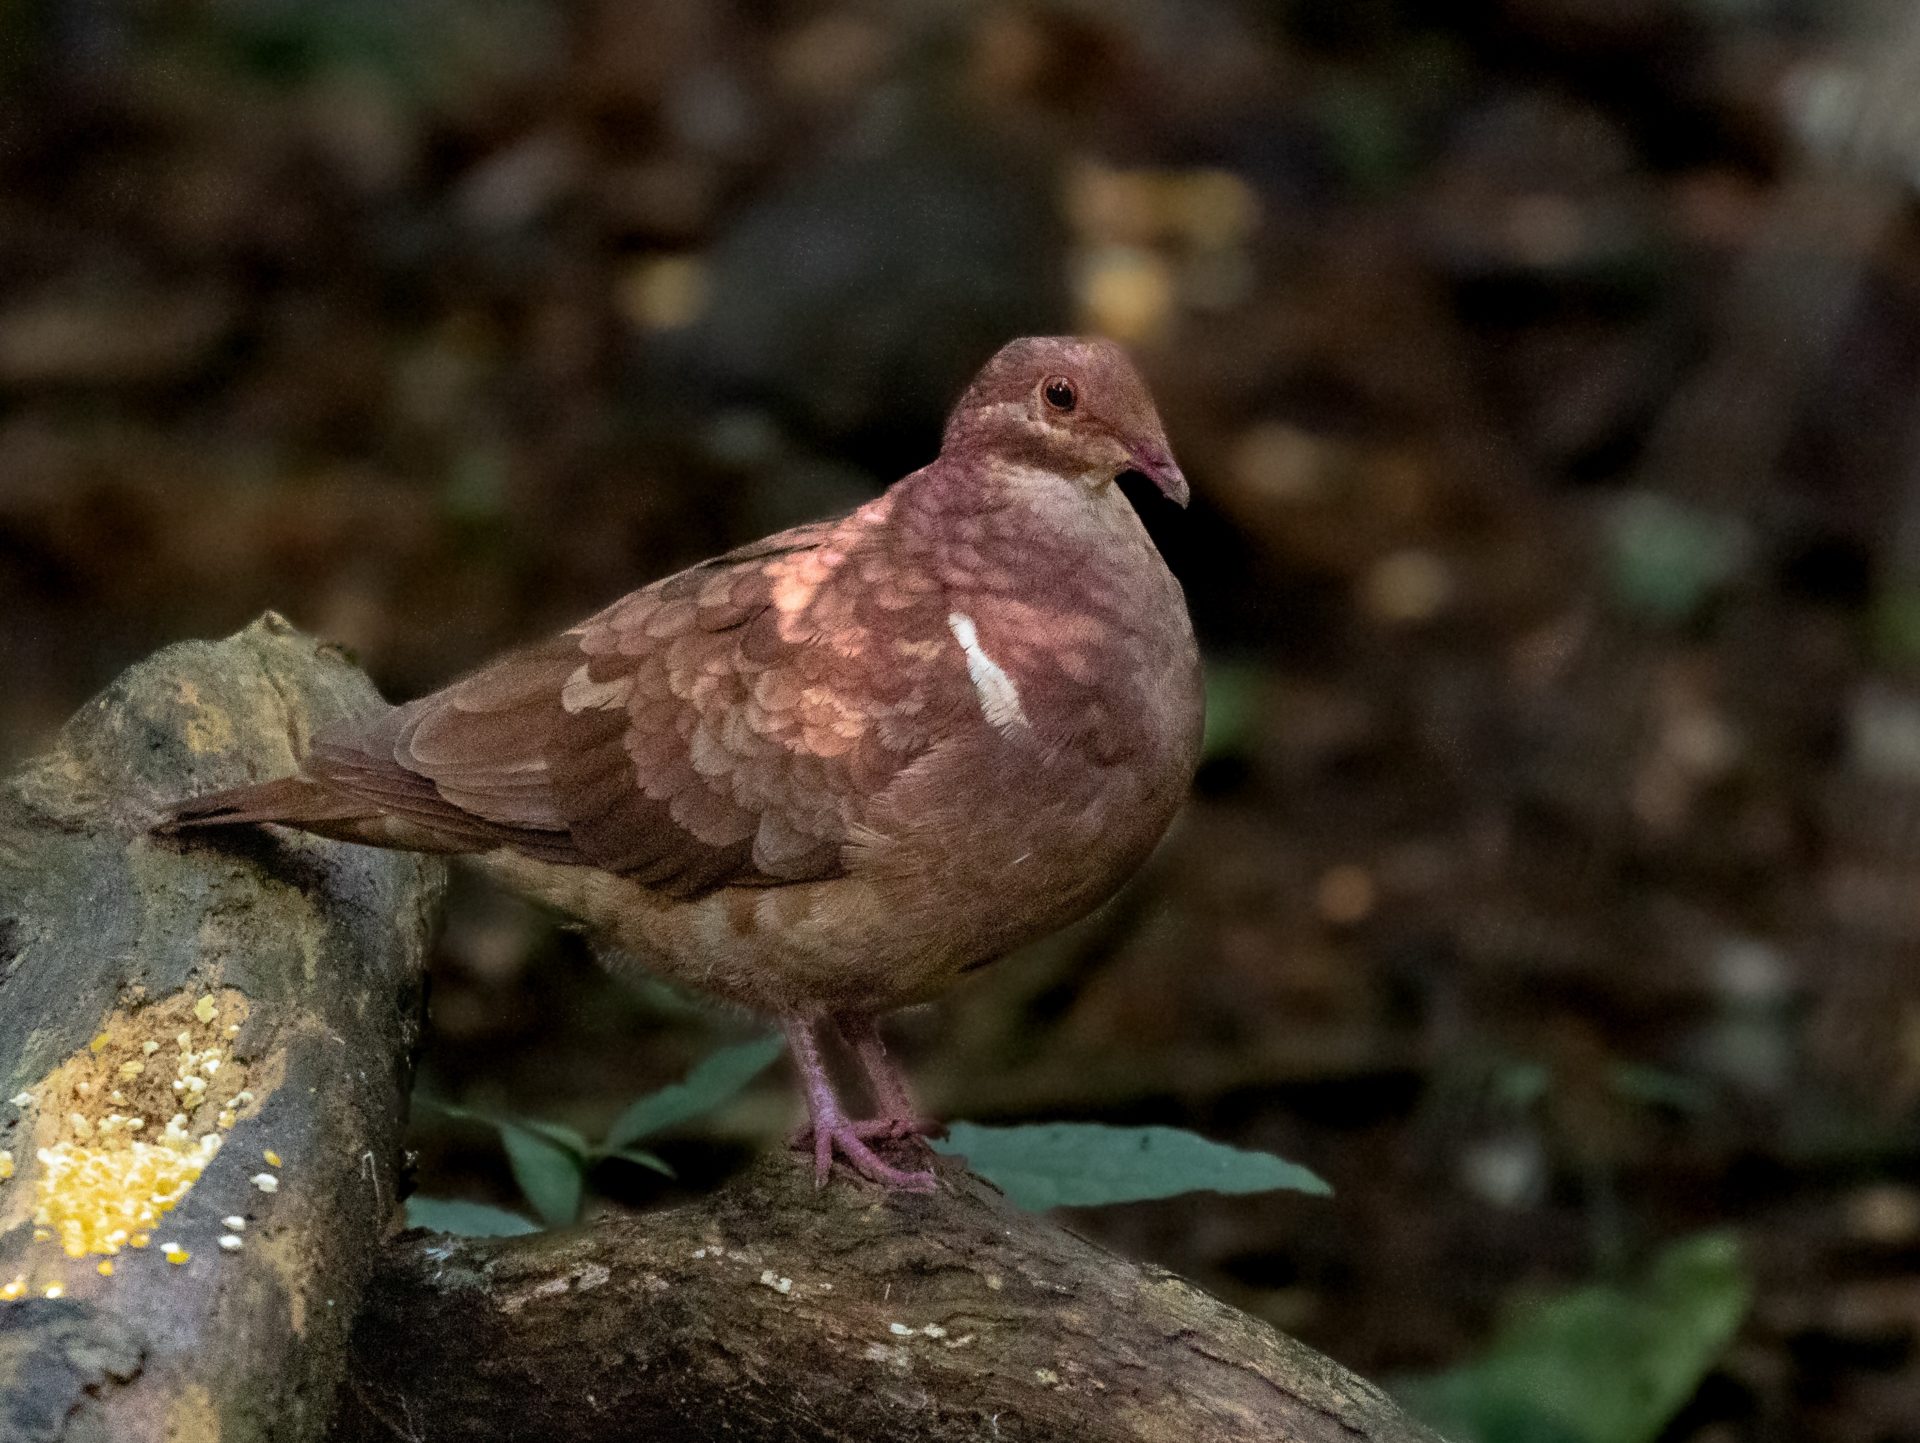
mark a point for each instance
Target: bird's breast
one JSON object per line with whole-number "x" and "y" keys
{"x": 1056, "y": 782}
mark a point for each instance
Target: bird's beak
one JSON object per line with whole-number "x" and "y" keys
{"x": 1156, "y": 463}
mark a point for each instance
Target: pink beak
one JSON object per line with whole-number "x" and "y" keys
{"x": 1157, "y": 464}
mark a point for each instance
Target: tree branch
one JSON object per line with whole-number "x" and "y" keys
{"x": 773, "y": 1311}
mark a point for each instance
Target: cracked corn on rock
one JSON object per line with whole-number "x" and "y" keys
{"x": 112, "y": 1171}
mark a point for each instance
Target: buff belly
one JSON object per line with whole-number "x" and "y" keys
{"x": 891, "y": 933}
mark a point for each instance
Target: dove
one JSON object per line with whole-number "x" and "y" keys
{"x": 825, "y": 775}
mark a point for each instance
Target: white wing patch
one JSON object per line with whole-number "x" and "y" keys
{"x": 999, "y": 697}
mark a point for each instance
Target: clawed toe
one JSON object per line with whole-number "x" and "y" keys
{"x": 830, "y": 1130}
{"x": 848, "y": 1141}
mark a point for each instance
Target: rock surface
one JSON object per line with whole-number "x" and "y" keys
{"x": 265, "y": 992}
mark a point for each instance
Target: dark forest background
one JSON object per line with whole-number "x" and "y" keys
{"x": 1547, "y": 373}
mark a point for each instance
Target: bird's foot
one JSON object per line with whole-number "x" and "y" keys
{"x": 830, "y": 1130}
{"x": 878, "y": 1129}
{"x": 887, "y": 1084}
{"x": 849, "y": 1139}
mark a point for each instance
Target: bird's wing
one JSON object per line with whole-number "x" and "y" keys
{"x": 725, "y": 726}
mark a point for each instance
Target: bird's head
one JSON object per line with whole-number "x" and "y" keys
{"x": 1070, "y": 405}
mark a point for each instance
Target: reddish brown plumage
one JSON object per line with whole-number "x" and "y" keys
{"x": 824, "y": 774}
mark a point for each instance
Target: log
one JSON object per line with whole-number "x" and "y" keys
{"x": 773, "y": 1312}
{"x": 265, "y": 989}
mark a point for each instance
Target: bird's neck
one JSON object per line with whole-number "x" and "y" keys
{"x": 1009, "y": 525}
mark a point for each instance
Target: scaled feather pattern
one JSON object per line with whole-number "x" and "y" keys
{"x": 826, "y": 773}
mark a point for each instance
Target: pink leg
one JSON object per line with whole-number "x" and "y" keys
{"x": 898, "y": 1115}
{"x": 829, "y": 1125}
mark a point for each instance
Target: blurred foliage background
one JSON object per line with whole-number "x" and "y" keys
{"x": 1546, "y": 372}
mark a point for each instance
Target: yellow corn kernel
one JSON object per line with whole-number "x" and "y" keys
{"x": 106, "y": 1268}
{"x": 176, "y": 1254}
{"x": 99, "y": 1044}
{"x": 272, "y": 1157}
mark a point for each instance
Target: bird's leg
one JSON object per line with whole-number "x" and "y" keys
{"x": 888, "y": 1085}
{"x": 829, "y": 1129}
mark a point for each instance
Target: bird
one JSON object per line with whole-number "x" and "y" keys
{"x": 823, "y": 776}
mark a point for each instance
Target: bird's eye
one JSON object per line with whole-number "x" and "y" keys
{"x": 1060, "y": 393}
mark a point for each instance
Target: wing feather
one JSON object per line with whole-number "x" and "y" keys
{"x": 726, "y": 726}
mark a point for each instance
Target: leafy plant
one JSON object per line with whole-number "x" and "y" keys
{"x": 466, "y": 1219}
{"x": 1600, "y": 1364}
{"x": 1038, "y": 1165}
{"x": 550, "y": 1161}
{"x": 1085, "y": 1164}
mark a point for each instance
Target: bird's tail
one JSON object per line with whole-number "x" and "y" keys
{"x": 291, "y": 801}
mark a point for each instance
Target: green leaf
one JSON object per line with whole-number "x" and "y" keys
{"x": 712, "y": 1083}
{"x": 1520, "y": 1085}
{"x": 559, "y": 1133}
{"x": 549, "y": 1160}
{"x": 1598, "y": 1364}
{"x": 1083, "y": 1164}
{"x": 1665, "y": 559}
{"x": 566, "y": 1137}
{"x": 549, "y": 1174}
{"x": 1894, "y": 624}
{"x": 1657, "y": 1087}
{"x": 1236, "y": 696}
{"x": 645, "y": 1159}
{"x": 466, "y": 1219}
